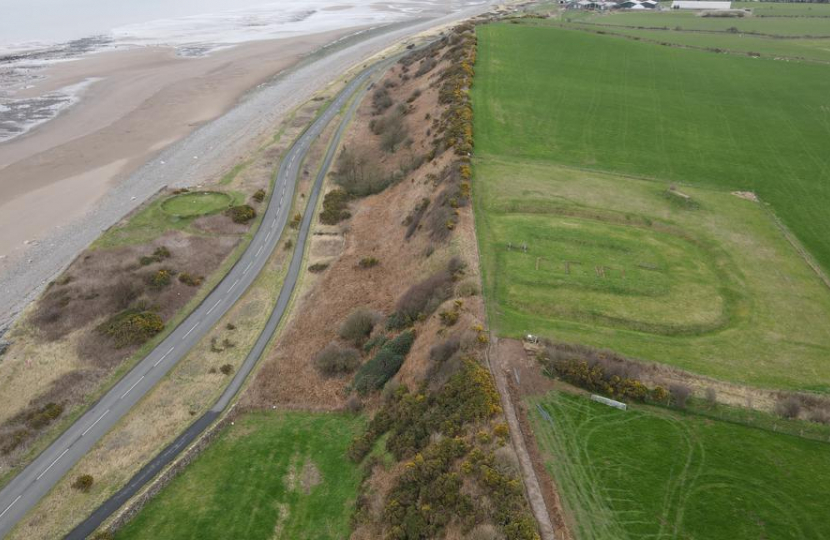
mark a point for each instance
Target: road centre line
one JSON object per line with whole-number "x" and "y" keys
{"x": 235, "y": 283}
{"x": 249, "y": 265}
{"x": 131, "y": 388}
{"x": 9, "y": 506}
{"x": 257, "y": 253}
{"x": 195, "y": 325}
{"x": 53, "y": 463}
{"x": 95, "y": 422}
{"x": 211, "y": 309}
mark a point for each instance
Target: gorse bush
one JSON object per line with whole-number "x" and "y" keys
{"x": 335, "y": 207}
{"x": 603, "y": 372}
{"x": 259, "y": 195}
{"x": 83, "y": 483}
{"x": 160, "y": 278}
{"x": 132, "y": 327}
{"x": 384, "y": 365}
{"x": 335, "y": 360}
{"x": 190, "y": 279}
{"x": 242, "y": 213}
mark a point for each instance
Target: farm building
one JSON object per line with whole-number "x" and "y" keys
{"x": 696, "y": 4}
{"x": 637, "y": 4}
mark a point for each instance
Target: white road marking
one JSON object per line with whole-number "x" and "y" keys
{"x": 160, "y": 360}
{"x": 9, "y": 506}
{"x": 214, "y": 306}
{"x": 53, "y": 463}
{"x": 131, "y": 388}
{"x": 267, "y": 236}
{"x": 257, "y": 253}
{"x": 247, "y": 268}
{"x": 235, "y": 283}
{"x": 95, "y": 422}
{"x": 274, "y": 223}
{"x": 192, "y": 329}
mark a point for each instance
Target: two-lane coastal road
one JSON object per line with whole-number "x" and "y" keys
{"x": 25, "y": 490}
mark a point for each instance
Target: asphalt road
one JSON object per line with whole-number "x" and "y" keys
{"x": 25, "y": 490}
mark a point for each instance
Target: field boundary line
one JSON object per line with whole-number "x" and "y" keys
{"x": 799, "y": 248}
{"x": 533, "y": 488}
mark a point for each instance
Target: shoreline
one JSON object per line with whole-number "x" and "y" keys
{"x": 142, "y": 101}
{"x": 236, "y": 132}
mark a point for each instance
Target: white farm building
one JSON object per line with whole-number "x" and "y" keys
{"x": 695, "y": 4}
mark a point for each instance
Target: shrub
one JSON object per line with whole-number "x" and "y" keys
{"x": 242, "y": 213}
{"x": 598, "y": 371}
{"x": 102, "y": 535}
{"x": 43, "y": 416}
{"x": 288, "y": 244}
{"x": 160, "y": 278}
{"x": 161, "y": 253}
{"x": 368, "y": 262}
{"x": 443, "y": 351}
{"x": 381, "y": 100}
{"x": 334, "y": 360}
{"x": 449, "y": 317}
{"x": 377, "y": 341}
{"x": 295, "y": 221}
{"x": 226, "y": 369}
{"x": 132, "y": 327}
{"x": 259, "y": 195}
{"x": 680, "y": 395}
{"x": 422, "y": 298}
{"x": 415, "y": 95}
{"x": 83, "y": 483}
{"x": 788, "y": 407}
{"x": 357, "y": 326}
{"x": 230, "y": 326}
{"x": 384, "y": 365}
{"x": 317, "y": 268}
{"x": 190, "y": 279}
{"x": 335, "y": 205}
{"x": 355, "y": 177}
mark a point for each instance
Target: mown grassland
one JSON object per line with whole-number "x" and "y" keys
{"x": 651, "y": 473}
{"x": 709, "y": 285}
{"x": 196, "y": 203}
{"x": 269, "y": 476}
{"x": 613, "y": 104}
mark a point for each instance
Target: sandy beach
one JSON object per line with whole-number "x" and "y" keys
{"x": 143, "y": 100}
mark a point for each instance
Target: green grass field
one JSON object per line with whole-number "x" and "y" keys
{"x": 196, "y": 203}
{"x": 269, "y": 476}
{"x": 710, "y": 284}
{"x": 678, "y": 115}
{"x": 774, "y": 26}
{"x": 807, "y": 49}
{"x": 651, "y": 473}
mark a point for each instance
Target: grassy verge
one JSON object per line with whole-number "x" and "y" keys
{"x": 270, "y": 475}
{"x": 653, "y": 473}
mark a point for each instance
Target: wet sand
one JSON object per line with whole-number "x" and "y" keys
{"x": 146, "y": 100}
